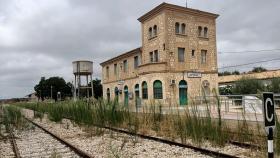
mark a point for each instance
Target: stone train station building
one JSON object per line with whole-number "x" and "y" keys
{"x": 177, "y": 60}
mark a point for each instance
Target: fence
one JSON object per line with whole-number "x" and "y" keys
{"x": 251, "y": 103}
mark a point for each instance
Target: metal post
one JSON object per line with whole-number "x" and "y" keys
{"x": 75, "y": 94}
{"x": 87, "y": 88}
{"x": 51, "y": 93}
{"x": 92, "y": 92}
{"x": 79, "y": 84}
{"x": 270, "y": 143}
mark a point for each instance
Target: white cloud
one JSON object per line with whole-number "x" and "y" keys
{"x": 42, "y": 38}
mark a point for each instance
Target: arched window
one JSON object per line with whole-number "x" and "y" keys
{"x": 205, "y": 32}
{"x": 183, "y": 28}
{"x": 155, "y": 30}
{"x": 199, "y": 31}
{"x": 116, "y": 93}
{"x": 144, "y": 90}
{"x": 108, "y": 94}
{"x": 125, "y": 90}
{"x": 177, "y": 28}
{"x": 137, "y": 95}
{"x": 150, "y": 32}
{"x": 157, "y": 89}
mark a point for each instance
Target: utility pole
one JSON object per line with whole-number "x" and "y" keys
{"x": 186, "y": 3}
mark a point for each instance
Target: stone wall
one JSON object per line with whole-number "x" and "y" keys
{"x": 170, "y": 92}
{"x": 190, "y": 41}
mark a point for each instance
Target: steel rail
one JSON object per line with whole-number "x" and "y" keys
{"x": 14, "y": 144}
{"x": 165, "y": 141}
{"x": 72, "y": 147}
{"x": 201, "y": 150}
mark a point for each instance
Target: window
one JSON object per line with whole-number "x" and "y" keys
{"x": 144, "y": 90}
{"x": 199, "y": 31}
{"x": 136, "y": 62}
{"x": 181, "y": 54}
{"x": 107, "y": 71}
{"x": 203, "y": 56}
{"x": 193, "y": 51}
{"x": 115, "y": 69}
{"x": 151, "y": 57}
{"x": 125, "y": 66}
{"x": 116, "y": 94}
{"x": 183, "y": 28}
{"x": 157, "y": 89}
{"x": 108, "y": 94}
{"x": 205, "y": 32}
{"x": 150, "y": 32}
{"x": 177, "y": 28}
{"x": 155, "y": 30}
{"x": 156, "y": 56}
{"x": 125, "y": 90}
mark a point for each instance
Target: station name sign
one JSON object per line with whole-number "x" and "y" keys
{"x": 194, "y": 75}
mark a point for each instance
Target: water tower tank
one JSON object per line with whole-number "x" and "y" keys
{"x": 82, "y": 67}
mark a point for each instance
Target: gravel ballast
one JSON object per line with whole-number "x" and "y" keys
{"x": 105, "y": 143}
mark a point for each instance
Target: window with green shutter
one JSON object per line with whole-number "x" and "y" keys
{"x": 144, "y": 90}
{"x": 157, "y": 90}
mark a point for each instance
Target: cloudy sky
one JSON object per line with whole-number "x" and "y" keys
{"x": 42, "y": 37}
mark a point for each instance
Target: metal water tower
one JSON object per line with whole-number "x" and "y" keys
{"x": 82, "y": 68}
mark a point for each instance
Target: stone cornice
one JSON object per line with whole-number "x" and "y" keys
{"x": 166, "y": 6}
{"x": 122, "y": 56}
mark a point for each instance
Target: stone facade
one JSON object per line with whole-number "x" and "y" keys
{"x": 197, "y": 71}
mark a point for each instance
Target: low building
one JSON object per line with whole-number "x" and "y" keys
{"x": 265, "y": 76}
{"x": 177, "y": 59}
{"x": 32, "y": 97}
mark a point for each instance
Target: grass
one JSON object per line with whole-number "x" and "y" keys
{"x": 12, "y": 116}
{"x": 190, "y": 124}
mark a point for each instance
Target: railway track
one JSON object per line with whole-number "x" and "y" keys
{"x": 197, "y": 149}
{"x": 6, "y": 144}
{"x": 161, "y": 140}
{"x": 39, "y": 142}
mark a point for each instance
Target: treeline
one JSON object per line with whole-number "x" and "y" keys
{"x": 254, "y": 70}
{"x": 49, "y": 88}
{"x": 251, "y": 86}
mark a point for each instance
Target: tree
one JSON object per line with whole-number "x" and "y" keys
{"x": 226, "y": 90}
{"x": 259, "y": 69}
{"x": 248, "y": 86}
{"x": 275, "y": 85}
{"x": 225, "y": 73}
{"x": 41, "y": 89}
{"x": 53, "y": 85}
{"x": 97, "y": 89}
{"x": 235, "y": 72}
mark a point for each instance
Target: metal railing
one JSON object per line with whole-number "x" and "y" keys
{"x": 251, "y": 103}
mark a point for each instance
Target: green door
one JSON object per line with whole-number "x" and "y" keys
{"x": 125, "y": 96}
{"x": 183, "y": 92}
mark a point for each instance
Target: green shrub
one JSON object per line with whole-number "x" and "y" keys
{"x": 248, "y": 86}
